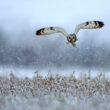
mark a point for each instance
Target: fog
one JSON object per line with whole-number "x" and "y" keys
{"x": 20, "y": 47}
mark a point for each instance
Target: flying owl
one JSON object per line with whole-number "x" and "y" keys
{"x": 71, "y": 38}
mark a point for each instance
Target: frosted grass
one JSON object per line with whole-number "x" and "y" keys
{"x": 55, "y": 92}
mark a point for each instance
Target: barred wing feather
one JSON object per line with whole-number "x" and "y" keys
{"x": 89, "y": 25}
{"x": 51, "y": 30}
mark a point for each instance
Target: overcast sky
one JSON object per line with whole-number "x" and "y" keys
{"x": 53, "y": 12}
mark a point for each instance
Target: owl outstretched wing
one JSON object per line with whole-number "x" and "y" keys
{"x": 51, "y": 30}
{"x": 89, "y": 25}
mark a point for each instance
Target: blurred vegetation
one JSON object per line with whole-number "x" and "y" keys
{"x": 55, "y": 92}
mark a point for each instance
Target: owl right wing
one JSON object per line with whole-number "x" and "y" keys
{"x": 89, "y": 25}
{"x": 51, "y": 30}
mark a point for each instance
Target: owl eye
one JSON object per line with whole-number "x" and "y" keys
{"x": 73, "y": 37}
{"x": 69, "y": 38}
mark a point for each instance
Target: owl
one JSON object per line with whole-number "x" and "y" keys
{"x": 71, "y": 38}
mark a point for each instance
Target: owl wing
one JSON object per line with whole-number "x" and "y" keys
{"x": 89, "y": 25}
{"x": 51, "y": 30}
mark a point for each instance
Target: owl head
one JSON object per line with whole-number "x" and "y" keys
{"x": 71, "y": 38}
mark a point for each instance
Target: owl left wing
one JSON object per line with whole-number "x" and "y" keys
{"x": 89, "y": 25}
{"x": 51, "y": 30}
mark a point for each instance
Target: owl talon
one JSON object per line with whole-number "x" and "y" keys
{"x": 73, "y": 44}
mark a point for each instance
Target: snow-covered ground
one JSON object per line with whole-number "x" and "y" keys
{"x": 30, "y": 72}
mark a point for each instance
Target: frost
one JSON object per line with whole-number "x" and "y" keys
{"x": 55, "y": 92}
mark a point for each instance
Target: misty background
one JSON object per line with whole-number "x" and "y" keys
{"x": 20, "y": 47}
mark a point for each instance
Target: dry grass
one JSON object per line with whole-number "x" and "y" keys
{"x": 55, "y": 93}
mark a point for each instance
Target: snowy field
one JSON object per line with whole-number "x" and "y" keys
{"x": 55, "y": 92}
